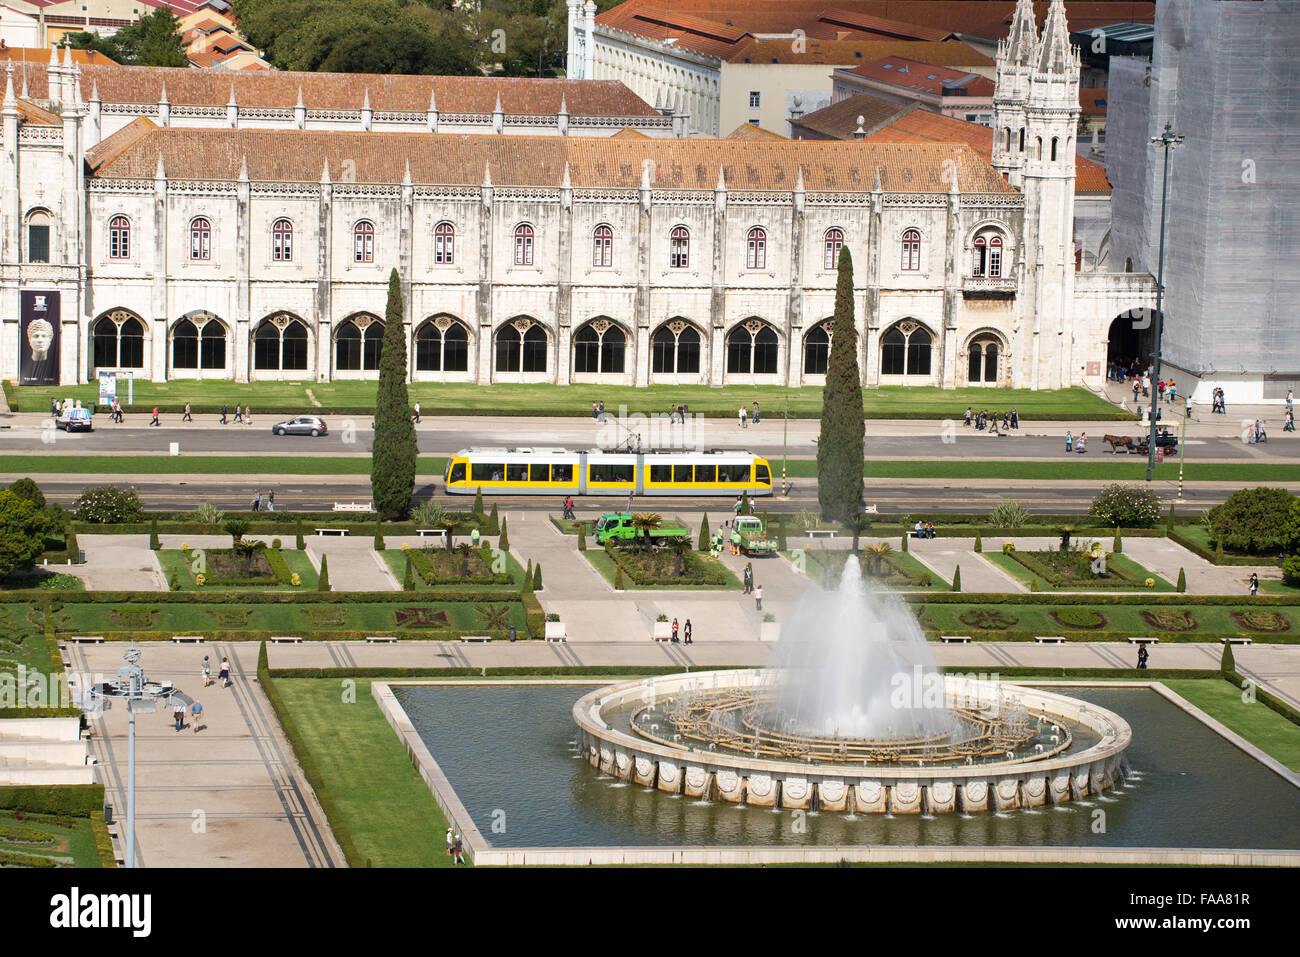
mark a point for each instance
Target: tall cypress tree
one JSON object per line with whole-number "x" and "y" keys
{"x": 840, "y": 447}
{"x": 392, "y": 459}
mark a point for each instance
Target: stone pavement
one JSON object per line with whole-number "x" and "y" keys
{"x": 354, "y": 564}
{"x": 119, "y": 563}
{"x": 1165, "y": 558}
{"x": 231, "y": 795}
{"x": 943, "y": 555}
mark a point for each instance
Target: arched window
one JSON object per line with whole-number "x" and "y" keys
{"x": 905, "y": 349}
{"x": 282, "y": 241}
{"x": 275, "y": 348}
{"x": 817, "y": 349}
{"x": 983, "y": 361}
{"x": 119, "y": 238}
{"x": 602, "y": 246}
{"x": 756, "y": 249}
{"x": 117, "y": 341}
{"x": 444, "y": 244}
{"x": 1006, "y": 130}
{"x": 355, "y": 350}
{"x": 1054, "y": 148}
{"x": 200, "y": 239}
{"x": 599, "y": 347}
{"x": 38, "y": 236}
{"x": 981, "y": 256}
{"x": 523, "y": 245}
{"x": 521, "y": 352}
{"x": 995, "y": 257}
{"x": 363, "y": 242}
{"x": 198, "y": 343}
{"x": 675, "y": 348}
{"x": 1022, "y": 139}
{"x": 911, "y": 250}
{"x": 1038, "y": 147}
{"x": 442, "y": 345}
{"x": 834, "y": 243}
{"x": 753, "y": 347}
{"x": 679, "y": 248}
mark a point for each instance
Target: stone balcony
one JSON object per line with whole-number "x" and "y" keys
{"x": 988, "y": 287}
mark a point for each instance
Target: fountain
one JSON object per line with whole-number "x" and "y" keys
{"x": 851, "y": 714}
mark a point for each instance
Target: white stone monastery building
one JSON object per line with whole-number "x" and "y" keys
{"x": 244, "y": 228}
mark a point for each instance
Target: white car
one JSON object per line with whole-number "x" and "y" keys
{"x": 75, "y": 420}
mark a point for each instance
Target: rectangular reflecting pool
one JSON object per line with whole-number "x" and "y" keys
{"x": 509, "y": 752}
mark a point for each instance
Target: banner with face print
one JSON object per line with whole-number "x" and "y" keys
{"x": 38, "y": 338}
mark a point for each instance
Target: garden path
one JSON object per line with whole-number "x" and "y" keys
{"x": 1165, "y": 558}
{"x": 354, "y": 563}
{"x": 118, "y": 563}
{"x": 943, "y": 555}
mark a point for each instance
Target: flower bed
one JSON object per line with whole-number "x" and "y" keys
{"x": 1266, "y": 621}
{"x": 659, "y": 567}
{"x": 1078, "y": 618}
{"x": 1170, "y": 619}
{"x": 437, "y": 565}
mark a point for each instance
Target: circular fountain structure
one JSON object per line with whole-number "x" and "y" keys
{"x": 851, "y": 714}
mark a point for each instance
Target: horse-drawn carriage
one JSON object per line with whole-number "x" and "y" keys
{"x": 1141, "y": 444}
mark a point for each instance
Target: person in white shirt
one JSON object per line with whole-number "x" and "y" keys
{"x": 743, "y": 413}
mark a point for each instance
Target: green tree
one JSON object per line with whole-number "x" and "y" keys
{"x": 82, "y": 40}
{"x": 1227, "y": 662}
{"x": 503, "y": 540}
{"x": 956, "y": 579}
{"x": 153, "y": 40}
{"x": 1117, "y": 546}
{"x": 154, "y": 542}
{"x": 582, "y": 537}
{"x": 323, "y": 581}
{"x": 22, "y": 533}
{"x": 408, "y": 577}
{"x": 979, "y": 543}
{"x": 299, "y": 543}
{"x": 704, "y": 533}
{"x": 1182, "y": 580}
{"x": 537, "y": 577}
{"x": 379, "y": 536}
{"x": 392, "y": 459}
{"x": 1252, "y": 520}
{"x": 843, "y": 424}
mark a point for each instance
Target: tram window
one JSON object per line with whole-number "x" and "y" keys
{"x": 457, "y": 473}
{"x": 486, "y": 471}
{"x": 539, "y": 472}
{"x": 706, "y": 473}
{"x": 562, "y": 473}
{"x": 611, "y": 473}
{"x": 681, "y": 473}
{"x": 733, "y": 473}
{"x": 517, "y": 473}
{"x": 661, "y": 473}
{"x": 762, "y": 475}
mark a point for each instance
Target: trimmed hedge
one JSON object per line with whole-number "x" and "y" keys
{"x": 283, "y": 524}
{"x": 306, "y": 634}
{"x": 1218, "y": 558}
{"x": 1270, "y": 701}
{"x": 1098, "y": 598}
{"x": 1049, "y": 574}
{"x": 534, "y": 615}
{"x": 72, "y": 800}
{"x": 103, "y": 843}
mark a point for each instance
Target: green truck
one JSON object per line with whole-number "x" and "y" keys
{"x": 618, "y": 526}
{"x": 748, "y": 536}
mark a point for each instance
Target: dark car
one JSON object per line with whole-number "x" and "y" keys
{"x": 75, "y": 420}
{"x": 302, "y": 425}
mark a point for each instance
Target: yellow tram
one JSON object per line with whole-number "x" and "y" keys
{"x": 539, "y": 471}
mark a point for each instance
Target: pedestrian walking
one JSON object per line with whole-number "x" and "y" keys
{"x": 1143, "y": 655}
{"x": 270, "y": 501}
{"x": 248, "y": 415}
{"x": 451, "y": 842}
{"x": 675, "y": 631}
{"x": 758, "y": 597}
{"x": 1290, "y": 400}
{"x": 416, "y": 413}
{"x": 744, "y": 415}
{"x": 568, "y": 507}
{"x": 595, "y": 414}
{"x": 154, "y": 420}
{"x": 756, "y": 413}
{"x": 187, "y": 417}
{"x": 1188, "y": 413}
{"x": 967, "y": 423}
{"x": 1069, "y": 441}
{"x": 1254, "y": 584}
{"x": 239, "y": 413}
{"x": 178, "y": 714}
{"x": 686, "y": 632}
{"x": 458, "y": 851}
{"x": 197, "y": 710}
{"x": 257, "y": 502}
{"x": 224, "y": 674}
{"x": 224, "y": 409}
{"x": 207, "y": 671}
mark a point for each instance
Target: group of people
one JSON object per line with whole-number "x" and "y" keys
{"x": 923, "y": 529}
{"x": 744, "y": 415}
{"x": 243, "y": 414}
{"x": 1076, "y": 445}
{"x": 1218, "y": 402}
{"x": 598, "y": 411}
{"x": 678, "y": 413}
{"x": 196, "y": 707}
{"x": 984, "y": 420}
{"x": 1256, "y": 434}
{"x": 455, "y": 847}
{"x": 264, "y": 503}
{"x": 683, "y": 634}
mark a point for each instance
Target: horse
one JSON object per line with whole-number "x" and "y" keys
{"x": 1116, "y": 441}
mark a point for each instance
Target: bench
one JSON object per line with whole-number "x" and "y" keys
{"x": 331, "y": 531}
{"x": 353, "y": 507}
{"x": 422, "y": 532}
{"x": 86, "y": 639}
{"x": 476, "y": 639}
{"x": 1144, "y": 641}
{"x": 1238, "y": 641}
{"x": 380, "y": 639}
{"x": 285, "y": 640}
{"x": 871, "y": 510}
{"x": 1050, "y": 639}
{"x": 821, "y": 533}
{"x": 955, "y": 639}
{"x": 194, "y": 639}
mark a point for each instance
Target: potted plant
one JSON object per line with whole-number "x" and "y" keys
{"x": 663, "y": 628}
{"x": 554, "y": 627}
{"x": 770, "y": 629}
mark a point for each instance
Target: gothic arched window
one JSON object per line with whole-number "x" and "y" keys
{"x": 599, "y": 347}
{"x": 119, "y": 238}
{"x": 675, "y": 348}
{"x": 834, "y": 243}
{"x": 756, "y": 249}
{"x": 523, "y": 245}
{"x": 200, "y": 238}
{"x": 679, "y": 248}
{"x": 911, "y": 250}
{"x": 905, "y": 349}
{"x": 602, "y": 246}
{"x": 753, "y": 347}
{"x": 282, "y": 241}
{"x": 363, "y": 242}
{"x": 444, "y": 244}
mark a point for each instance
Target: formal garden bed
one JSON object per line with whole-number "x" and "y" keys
{"x": 1073, "y": 570}
{"x": 197, "y": 569}
{"x": 433, "y": 567}
{"x": 889, "y": 567}
{"x": 631, "y": 567}
{"x": 51, "y": 826}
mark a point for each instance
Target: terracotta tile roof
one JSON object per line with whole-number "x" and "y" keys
{"x": 840, "y": 120}
{"x": 851, "y": 52}
{"x": 111, "y": 147}
{"x": 627, "y": 133}
{"x": 42, "y": 56}
{"x": 298, "y": 156}
{"x": 36, "y": 114}
{"x": 347, "y": 91}
{"x": 1092, "y": 101}
{"x": 921, "y": 126}
{"x": 916, "y": 75}
{"x": 748, "y": 131}
{"x": 879, "y": 26}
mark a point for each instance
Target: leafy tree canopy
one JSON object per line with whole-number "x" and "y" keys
{"x": 153, "y": 40}
{"x": 22, "y": 532}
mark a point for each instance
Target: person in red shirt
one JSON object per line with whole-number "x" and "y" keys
{"x": 155, "y": 416}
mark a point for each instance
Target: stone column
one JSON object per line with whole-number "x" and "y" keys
{"x": 951, "y": 288}
{"x": 324, "y": 284}
{"x": 158, "y": 298}
{"x": 717, "y": 289}
{"x": 483, "y": 303}
{"x": 641, "y": 304}
{"x": 243, "y": 275}
{"x": 564, "y": 283}
{"x": 869, "y": 354}
{"x": 794, "y": 309}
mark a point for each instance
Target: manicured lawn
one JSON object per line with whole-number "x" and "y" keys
{"x": 22, "y": 641}
{"x": 467, "y": 398}
{"x": 1104, "y": 470}
{"x": 1198, "y": 533}
{"x": 395, "y": 559}
{"x": 1121, "y": 621}
{"x": 821, "y": 562}
{"x": 174, "y": 560}
{"x": 1269, "y": 586}
{"x": 65, "y": 840}
{"x": 1255, "y": 722}
{"x": 393, "y": 819}
{"x": 1139, "y": 572}
{"x": 43, "y": 464}
{"x": 602, "y": 563}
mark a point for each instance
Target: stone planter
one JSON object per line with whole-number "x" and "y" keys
{"x": 769, "y": 631}
{"x": 663, "y": 631}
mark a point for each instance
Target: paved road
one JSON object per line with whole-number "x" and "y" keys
{"x": 925, "y": 440}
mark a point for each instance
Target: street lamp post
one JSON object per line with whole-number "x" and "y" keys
{"x": 1168, "y": 139}
{"x": 785, "y": 439}
{"x": 141, "y": 697}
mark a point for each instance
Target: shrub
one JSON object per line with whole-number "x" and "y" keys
{"x": 1169, "y": 619}
{"x": 1079, "y": 617}
{"x": 175, "y": 581}
{"x": 1182, "y": 579}
{"x": 1008, "y": 548}
{"x": 1117, "y": 546}
{"x": 108, "y": 505}
{"x": 618, "y": 578}
{"x": 408, "y": 578}
{"x": 979, "y": 543}
{"x": 1008, "y": 515}
{"x": 298, "y": 541}
{"x": 988, "y": 619}
{"x": 956, "y": 579}
{"x": 905, "y": 536}
{"x": 704, "y": 532}
{"x": 1262, "y": 621}
{"x": 323, "y": 583}
{"x": 503, "y": 542}
{"x": 1252, "y": 520}
{"x": 582, "y": 537}
{"x": 237, "y": 528}
{"x": 1226, "y": 661}
{"x": 275, "y": 543}
{"x": 1131, "y": 506}
{"x": 495, "y": 520}
{"x": 428, "y": 514}
{"x": 154, "y": 543}
{"x": 26, "y": 488}
{"x": 379, "y": 537}
{"x": 478, "y": 501}
{"x": 537, "y": 577}
{"x": 552, "y": 616}
{"x": 207, "y": 514}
